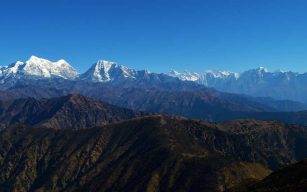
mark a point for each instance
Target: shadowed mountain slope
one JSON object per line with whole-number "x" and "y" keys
{"x": 291, "y": 178}
{"x": 155, "y": 153}
{"x": 71, "y": 111}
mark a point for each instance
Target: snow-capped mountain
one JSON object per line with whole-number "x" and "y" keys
{"x": 100, "y": 71}
{"x": 186, "y": 76}
{"x": 38, "y": 68}
{"x": 220, "y": 78}
{"x": 256, "y": 82}
{"x": 104, "y": 71}
{"x": 283, "y": 85}
{"x": 204, "y": 78}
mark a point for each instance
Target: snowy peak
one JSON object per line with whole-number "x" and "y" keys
{"x": 36, "y": 67}
{"x": 202, "y": 77}
{"x": 34, "y": 59}
{"x": 104, "y": 71}
{"x": 102, "y": 68}
{"x": 44, "y": 68}
{"x": 260, "y": 71}
{"x": 221, "y": 74}
{"x": 186, "y": 76}
{"x": 13, "y": 68}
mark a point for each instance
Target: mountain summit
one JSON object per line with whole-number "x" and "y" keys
{"x": 38, "y": 68}
{"x": 103, "y": 71}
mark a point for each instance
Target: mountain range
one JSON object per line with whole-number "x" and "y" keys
{"x": 65, "y": 131}
{"x": 282, "y": 85}
{"x": 39, "y": 68}
{"x": 145, "y": 91}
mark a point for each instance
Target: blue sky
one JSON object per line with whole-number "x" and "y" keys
{"x": 158, "y": 34}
